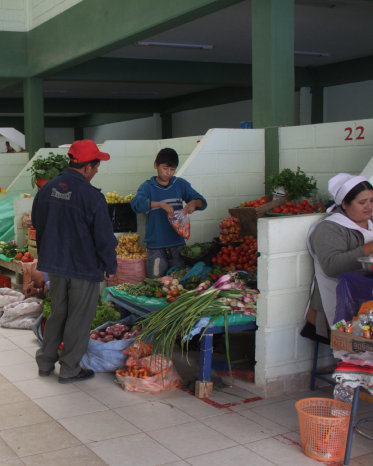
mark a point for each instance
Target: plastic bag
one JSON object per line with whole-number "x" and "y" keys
{"x": 343, "y": 393}
{"x": 109, "y": 356}
{"x": 8, "y": 296}
{"x": 165, "y": 377}
{"x": 21, "y": 314}
{"x": 181, "y": 223}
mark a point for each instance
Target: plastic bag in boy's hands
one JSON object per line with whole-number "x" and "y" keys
{"x": 181, "y": 223}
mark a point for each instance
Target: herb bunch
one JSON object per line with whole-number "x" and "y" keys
{"x": 296, "y": 184}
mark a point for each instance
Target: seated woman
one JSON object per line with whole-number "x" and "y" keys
{"x": 335, "y": 243}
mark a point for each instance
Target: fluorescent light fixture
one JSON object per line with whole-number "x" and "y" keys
{"x": 315, "y": 54}
{"x": 177, "y": 44}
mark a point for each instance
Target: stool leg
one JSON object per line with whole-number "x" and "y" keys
{"x": 314, "y": 366}
{"x": 351, "y": 426}
{"x": 205, "y": 358}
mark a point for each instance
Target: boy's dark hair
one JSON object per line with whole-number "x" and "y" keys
{"x": 83, "y": 164}
{"x": 168, "y": 156}
{"x": 350, "y": 196}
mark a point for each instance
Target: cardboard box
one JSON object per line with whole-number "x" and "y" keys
{"x": 33, "y": 251}
{"x": 350, "y": 342}
{"x": 249, "y": 215}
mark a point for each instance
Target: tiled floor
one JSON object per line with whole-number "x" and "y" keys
{"x": 95, "y": 422}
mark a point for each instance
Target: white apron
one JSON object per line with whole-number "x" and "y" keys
{"x": 327, "y": 285}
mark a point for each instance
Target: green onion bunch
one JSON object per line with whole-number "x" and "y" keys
{"x": 177, "y": 320}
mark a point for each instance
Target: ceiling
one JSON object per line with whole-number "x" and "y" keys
{"x": 340, "y": 30}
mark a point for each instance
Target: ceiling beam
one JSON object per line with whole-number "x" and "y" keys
{"x": 164, "y": 71}
{"x": 80, "y": 106}
{"x": 92, "y": 28}
{"x": 351, "y": 71}
{"x": 206, "y": 99}
{"x": 157, "y": 71}
{"x": 97, "y": 119}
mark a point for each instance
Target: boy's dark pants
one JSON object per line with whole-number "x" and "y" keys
{"x": 159, "y": 260}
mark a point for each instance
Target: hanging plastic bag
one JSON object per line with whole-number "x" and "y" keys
{"x": 181, "y": 223}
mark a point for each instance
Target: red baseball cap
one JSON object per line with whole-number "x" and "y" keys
{"x": 85, "y": 151}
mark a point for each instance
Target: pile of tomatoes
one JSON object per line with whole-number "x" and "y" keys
{"x": 242, "y": 257}
{"x": 230, "y": 229}
{"x": 291, "y": 208}
{"x": 256, "y": 203}
{"x": 26, "y": 257}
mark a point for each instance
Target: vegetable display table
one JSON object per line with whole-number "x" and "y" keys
{"x": 206, "y": 348}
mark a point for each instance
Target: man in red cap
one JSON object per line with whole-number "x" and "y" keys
{"x": 76, "y": 247}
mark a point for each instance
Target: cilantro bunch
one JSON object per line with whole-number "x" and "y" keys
{"x": 296, "y": 184}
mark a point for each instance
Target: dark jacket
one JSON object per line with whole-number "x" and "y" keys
{"x": 74, "y": 233}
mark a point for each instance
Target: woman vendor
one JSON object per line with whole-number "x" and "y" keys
{"x": 335, "y": 243}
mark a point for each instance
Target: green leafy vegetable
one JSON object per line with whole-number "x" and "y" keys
{"x": 296, "y": 184}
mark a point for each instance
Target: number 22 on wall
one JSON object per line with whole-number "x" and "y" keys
{"x": 359, "y": 133}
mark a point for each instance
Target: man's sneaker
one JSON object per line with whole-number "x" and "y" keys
{"x": 84, "y": 374}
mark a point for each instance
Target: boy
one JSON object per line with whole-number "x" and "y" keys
{"x": 159, "y": 197}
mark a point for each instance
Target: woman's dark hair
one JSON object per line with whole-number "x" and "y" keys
{"x": 83, "y": 164}
{"x": 168, "y": 156}
{"x": 357, "y": 190}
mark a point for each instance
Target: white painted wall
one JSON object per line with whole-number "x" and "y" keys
{"x": 226, "y": 166}
{"x": 322, "y": 150}
{"x": 11, "y": 165}
{"x": 284, "y": 358}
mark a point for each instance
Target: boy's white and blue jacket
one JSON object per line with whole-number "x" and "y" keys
{"x": 158, "y": 231}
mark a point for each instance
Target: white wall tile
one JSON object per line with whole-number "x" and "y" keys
{"x": 295, "y": 137}
{"x": 278, "y": 309}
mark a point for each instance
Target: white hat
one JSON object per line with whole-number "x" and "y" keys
{"x": 340, "y": 185}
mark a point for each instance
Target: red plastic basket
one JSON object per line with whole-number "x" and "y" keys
{"x": 5, "y": 282}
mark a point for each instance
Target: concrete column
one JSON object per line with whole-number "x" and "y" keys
{"x": 33, "y": 114}
{"x": 273, "y": 62}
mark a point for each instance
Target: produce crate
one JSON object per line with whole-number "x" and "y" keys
{"x": 249, "y": 215}
{"x": 123, "y": 218}
{"x": 350, "y": 342}
{"x": 32, "y": 248}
